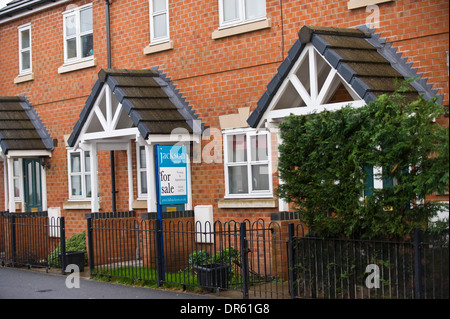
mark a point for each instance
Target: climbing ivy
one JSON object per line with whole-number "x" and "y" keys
{"x": 324, "y": 161}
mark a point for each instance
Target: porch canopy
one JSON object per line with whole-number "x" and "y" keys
{"x": 328, "y": 68}
{"x": 133, "y": 105}
{"x": 22, "y": 135}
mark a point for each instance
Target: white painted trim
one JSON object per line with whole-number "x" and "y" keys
{"x": 34, "y": 11}
{"x": 129, "y": 132}
{"x": 21, "y": 28}
{"x": 241, "y": 18}
{"x": 28, "y": 153}
{"x": 280, "y": 114}
{"x": 242, "y": 28}
{"x": 5, "y": 182}
{"x": 159, "y": 47}
{"x": 11, "y": 201}
{"x": 24, "y": 78}
{"x": 313, "y": 101}
{"x": 141, "y": 195}
{"x": 249, "y": 132}
{"x": 130, "y": 176}
{"x": 78, "y": 65}
{"x": 151, "y": 178}
{"x": 354, "y": 4}
{"x": 94, "y": 178}
{"x": 43, "y": 188}
{"x": 75, "y": 11}
{"x": 172, "y": 138}
{"x": 166, "y": 38}
{"x": 189, "y": 181}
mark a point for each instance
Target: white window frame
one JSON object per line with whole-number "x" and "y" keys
{"x": 83, "y": 173}
{"x": 22, "y": 50}
{"x": 18, "y": 176}
{"x": 153, "y": 14}
{"x": 78, "y": 34}
{"x": 140, "y": 170}
{"x": 251, "y": 193}
{"x": 242, "y": 14}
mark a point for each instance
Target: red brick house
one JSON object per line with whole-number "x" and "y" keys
{"x": 100, "y": 83}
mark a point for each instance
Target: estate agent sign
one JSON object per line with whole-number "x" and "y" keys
{"x": 171, "y": 174}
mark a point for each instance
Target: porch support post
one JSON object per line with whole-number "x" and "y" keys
{"x": 151, "y": 179}
{"x": 5, "y": 182}
{"x": 11, "y": 203}
{"x": 283, "y": 205}
{"x": 188, "y": 177}
{"x": 130, "y": 176}
{"x": 44, "y": 188}
{"x": 94, "y": 178}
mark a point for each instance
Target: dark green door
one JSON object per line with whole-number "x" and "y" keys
{"x": 32, "y": 184}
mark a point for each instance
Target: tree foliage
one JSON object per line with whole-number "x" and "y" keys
{"x": 323, "y": 159}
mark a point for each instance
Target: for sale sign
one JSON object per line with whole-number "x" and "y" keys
{"x": 172, "y": 174}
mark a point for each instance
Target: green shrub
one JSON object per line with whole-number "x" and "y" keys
{"x": 325, "y": 158}
{"x": 75, "y": 243}
{"x": 198, "y": 257}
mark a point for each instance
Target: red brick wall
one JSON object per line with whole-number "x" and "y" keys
{"x": 216, "y": 77}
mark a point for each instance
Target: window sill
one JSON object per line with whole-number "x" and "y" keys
{"x": 153, "y": 48}
{"x": 355, "y": 4}
{"x": 82, "y": 64}
{"x": 24, "y": 78}
{"x": 79, "y": 204}
{"x": 243, "y": 28}
{"x": 248, "y": 203}
{"x": 139, "y": 204}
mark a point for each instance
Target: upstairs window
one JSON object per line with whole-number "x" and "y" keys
{"x": 25, "y": 49}
{"x": 159, "y": 21}
{"x": 247, "y": 164}
{"x": 234, "y": 12}
{"x": 78, "y": 34}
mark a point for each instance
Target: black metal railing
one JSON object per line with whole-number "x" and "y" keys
{"x": 28, "y": 239}
{"x": 254, "y": 259}
{"x": 363, "y": 269}
{"x": 234, "y": 256}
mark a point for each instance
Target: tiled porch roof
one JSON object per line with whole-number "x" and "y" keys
{"x": 20, "y": 126}
{"x": 364, "y": 60}
{"x": 149, "y": 98}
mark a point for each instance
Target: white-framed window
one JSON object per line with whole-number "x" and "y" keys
{"x": 79, "y": 168}
{"x": 247, "y": 163}
{"x": 25, "y": 60}
{"x": 234, "y": 12}
{"x": 78, "y": 33}
{"x": 159, "y": 21}
{"x": 141, "y": 172}
{"x": 17, "y": 179}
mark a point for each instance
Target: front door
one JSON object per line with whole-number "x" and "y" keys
{"x": 32, "y": 184}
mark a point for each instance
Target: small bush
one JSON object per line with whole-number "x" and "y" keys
{"x": 75, "y": 243}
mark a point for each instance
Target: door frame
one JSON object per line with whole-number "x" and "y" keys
{"x": 32, "y": 204}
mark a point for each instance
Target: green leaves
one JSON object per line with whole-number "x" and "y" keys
{"x": 323, "y": 157}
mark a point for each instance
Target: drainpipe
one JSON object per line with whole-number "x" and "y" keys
{"x": 111, "y": 153}
{"x": 108, "y": 35}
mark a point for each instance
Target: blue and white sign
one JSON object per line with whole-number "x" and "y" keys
{"x": 172, "y": 174}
